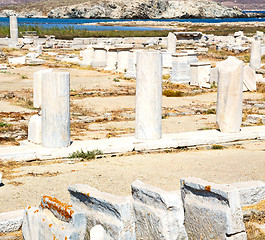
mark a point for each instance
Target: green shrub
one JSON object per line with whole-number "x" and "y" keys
{"x": 172, "y": 93}
{"x": 85, "y": 155}
{"x": 217, "y": 147}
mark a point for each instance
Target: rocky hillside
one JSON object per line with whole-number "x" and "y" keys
{"x": 144, "y": 9}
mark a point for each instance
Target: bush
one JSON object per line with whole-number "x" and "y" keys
{"x": 172, "y": 93}
{"x": 85, "y": 155}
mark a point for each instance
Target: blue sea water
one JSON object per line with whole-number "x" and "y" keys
{"x": 50, "y": 22}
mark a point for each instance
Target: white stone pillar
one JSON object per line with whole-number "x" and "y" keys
{"x": 37, "y": 87}
{"x": 99, "y": 57}
{"x": 123, "y": 51}
{"x": 13, "y": 30}
{"x": 148, "y": 109}
{"x": 112, "y": 59}
{"x": 88, "y": 56}
{"x": 180, "y": 68}
{"x": 39, "y": 50}
{"x": 255, "y": 54}
{"x": 56, "y": 110}
{"x": 131, "y": 72}
{"x": 171, "y": 42}
{"x": 230, "y": 95}
{"x": 200, "y": 74}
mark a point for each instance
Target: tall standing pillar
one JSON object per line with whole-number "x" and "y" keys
{"x": 13, "y": 30}
{"x": 230, "y": 95}
{"x": 56, "y": 109}
{"x": 255, "y": 54}
{"x": 148, "y": 109}
{"x": 171, "y": 43}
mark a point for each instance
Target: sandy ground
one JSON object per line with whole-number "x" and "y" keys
{"x": 115, "y": 174}
{"x": 25, "y": 185}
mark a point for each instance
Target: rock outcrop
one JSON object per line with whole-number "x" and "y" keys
{"x": 152, "y": 9}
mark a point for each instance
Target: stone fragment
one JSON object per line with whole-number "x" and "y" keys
{"x": 250, "y": 78}
{"x": 251, "y": 192}
{"x": 37, "y": 87}
{"x": 123, "y": 51}
{"x": 230, "y": 95}
{"x": 158, "y": 214}
{"x": 88, "y": 56}
{"x": 171, "y": 42}
{"x": 112, "y": 58}
{"x": 99, "y": 57}
{"x": 56, "y": 109}
{"x": 17, "y": 61}
{"x": 112, "y": 212}
{"x": 53, "y": 220}
{"x": 212, "y": 211}
{"x": 256, "y": 118}
{"x": 255, "y": 57}
{"x": 180, "y": 68}
{"x": 214, "y": 76}
{"x": 11, "y": 221}
{"x": 148, "y": 107}
{"x": 34, "y": 129}
{"x": 200, "y": 74}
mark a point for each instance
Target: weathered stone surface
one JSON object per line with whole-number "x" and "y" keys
{"x": 53, "y": 220}
{"x": 88, "y": 56}
{"x": 171, "y": 42}
{"x": 113, "y": 213}
{"x": 255, "y": 51}
{"x": 99, "y": 56}
{"x": 112, "y": 59}
{"x": 148, "y": 107}
{"x": 250, "y": 78}
{"x": 180, "y": 68}
{"x": 11, "y": 221}
{"x": 200, "y": 74}
{"x": 13, "y": 31}
{"x": 256, "y": 118}
{"x": 56, "y": 110}
{"x": 98, "y": 233}
{"x": 230, "y": 95}
{"x": 17, "y": 61}
{"x": 250, "y": 192}
{"x": 158, "y": 214}
{"x": 34, "y": 129}
{"x": 212, "y": 211}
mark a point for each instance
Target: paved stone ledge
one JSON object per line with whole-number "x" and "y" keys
{"x": 28, "y": 151}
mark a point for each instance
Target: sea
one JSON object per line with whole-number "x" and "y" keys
{"x": 77, "y": 23}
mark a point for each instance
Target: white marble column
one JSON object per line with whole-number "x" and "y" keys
{"x": 171, "y": 42}
{"x": 99, "y": 57}
{"x": 230, "y": 95}
{"x": 13, "y": 30}
{"x": 255, "y": 54}
{"x": 56, "y": 110}
{"x": 148, "y": 109}
{"x": 131, "y": 72}
{"x": 37, "y": 87}
{"x": 112, "y": 59}
{"x": 88, "y": 56}
{"x": 180, "y": 68}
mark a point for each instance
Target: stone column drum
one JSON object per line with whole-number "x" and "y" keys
{"x": 230, "y": 95}
{"x": 13, "y": 30}
{"x": 111, "y": 59}
{"x": 100, "y": 56}
{"x": 56, "y": 110}
{"x": 255, "y": 54}
{"x": 148, "y": 109}
{"x": 88, "y": 56}
{"x": 131, "y": 73}
{"x": 123, "y": 51}
{"x": 171, "y": 42}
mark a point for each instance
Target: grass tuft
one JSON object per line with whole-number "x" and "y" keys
{"x": 88, "y": 155}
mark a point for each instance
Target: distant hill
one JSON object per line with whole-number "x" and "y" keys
{"x": 244, "y": 4}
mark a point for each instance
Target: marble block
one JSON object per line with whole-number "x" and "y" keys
{"x": 255, "y": 54}
{"x": 180, "y": 68}
{"x": 88, "y": 56}
{"x": 200, "y": 74}
{"x": 99, "y": 57}
{"x": 250, "y": 78}
{"x": 112, "y": 59}
{"x": 171, "y": 42}
{"x": 34, "y": 129}
{"x": 123, "y": 51}
{"x": 13, "y": 31}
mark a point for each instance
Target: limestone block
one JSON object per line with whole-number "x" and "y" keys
{"x": 123, "y": 57}
{"x": 11, "y": 221}
{"x": 131, "y": 72}
{"x": 53, "y": 220}
{"x": 37, "y": 87}
{"x": 112, "y": 59}
{"x": 230, "y": 95}
{"x": 32, "y": 55}
{"x": 34, "y": 129}
{"x": 255, "y": 118}
{"x": 166, "y": 59}
{"x": 99, "y": 56}
{"x": 158, "y": 214}
{"x": 180, "y": 68}
{"x": 39, "y": 50}
{"x": 200, "y": 74}
{"x": 250, "y": 192}
{"x": 214, "y": 75}
{"x": 112, "y": 212}
{"x": 148, "y": 107}
{"x": 171, "y": 42}
{"x": 88, "y": 56}
{"x": 255, "y": 54}
{"x": 13, "y": 30}
{"x": 212, "y": 211}
{"x": 17, "y": 60}
{"x": 98, "y": 233}
{"x": 56, "y": 109}
{"x": 250, "y": 78}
